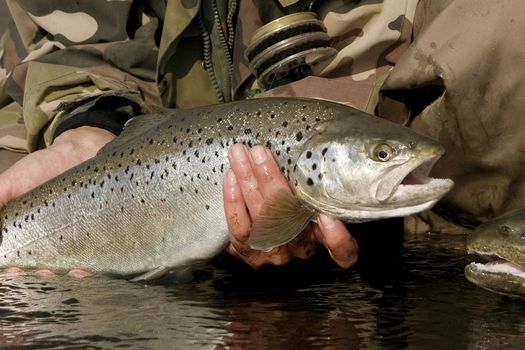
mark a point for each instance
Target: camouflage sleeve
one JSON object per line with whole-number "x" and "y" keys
{"x": 63, "y": 58}
{"x": 370, "y": 37}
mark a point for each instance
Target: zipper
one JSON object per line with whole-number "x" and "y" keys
{"x": 225, "y": 44}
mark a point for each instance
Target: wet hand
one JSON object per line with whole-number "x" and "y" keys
{"x": 255, "y": 177}
{"x": 69, "y": 149}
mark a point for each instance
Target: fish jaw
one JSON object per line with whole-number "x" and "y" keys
{"x": 411, "y": 183}
{"x": 500, "y": 277}
{"x": 502, "y": 242}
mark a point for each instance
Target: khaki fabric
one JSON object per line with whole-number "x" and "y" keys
{"x": 60, "y": 58}
{"x": 468, "y": 66}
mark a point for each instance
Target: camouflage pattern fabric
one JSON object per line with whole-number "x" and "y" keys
{"x": 61, "y": 58}
{"x": 465, "y": 87}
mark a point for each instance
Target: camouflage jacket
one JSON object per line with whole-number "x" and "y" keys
{"x": 62, "y": 58}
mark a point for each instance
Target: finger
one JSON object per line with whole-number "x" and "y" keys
{"x": 237, "y": 217}
{"x": 79, "y": 273}
{"x": 267, "y": 173}
{"x": 242, "y": 168}
{"x": 305, "y": 245}
{"x": 339, "y": 242}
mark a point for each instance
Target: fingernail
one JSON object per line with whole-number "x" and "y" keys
{"x": 238, "y": 152}
{"x": 326, "y": 221}
{"x": 231, "y": 180}
{"x": 259, "y": 154}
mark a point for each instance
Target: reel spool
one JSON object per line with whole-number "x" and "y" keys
{"x": 288, "y": 46}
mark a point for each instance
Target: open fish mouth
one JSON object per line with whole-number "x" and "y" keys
{"x": 415, "y": 185}
{"x": 495, "y": 264}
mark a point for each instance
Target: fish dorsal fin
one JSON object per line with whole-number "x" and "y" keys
{"x": 282, "y": 219}
{"x": 134, "y": 128}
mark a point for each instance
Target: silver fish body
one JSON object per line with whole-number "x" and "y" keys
{"x": 502, "y": 240}
{"x": 153, "y": 197}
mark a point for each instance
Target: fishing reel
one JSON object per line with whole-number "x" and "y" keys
{"x": 287, "y": 47}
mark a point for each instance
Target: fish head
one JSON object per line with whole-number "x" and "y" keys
{"x": 502, "y": 237}
{"x": 501, "y": 241}
{"x": 368, "y": 170}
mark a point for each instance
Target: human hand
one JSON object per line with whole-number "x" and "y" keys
{"x": 72, "y": 147}
{"x": 254, "y": 178}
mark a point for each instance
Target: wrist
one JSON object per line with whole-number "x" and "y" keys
{"x": 83, "y": 142}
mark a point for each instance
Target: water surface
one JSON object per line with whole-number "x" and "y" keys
{"x": 405, "y": 293}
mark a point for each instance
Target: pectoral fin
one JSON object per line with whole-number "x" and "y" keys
{"x": 151, "y": 274}
{"x": 282, "y": 220}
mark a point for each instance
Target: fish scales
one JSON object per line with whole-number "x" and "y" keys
{"x": 175, "y": 168}
{"x": 153, "y": 197}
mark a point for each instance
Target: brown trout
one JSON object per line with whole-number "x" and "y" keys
{"x": 151, "y": 200}
{"x": 502, "y": 241}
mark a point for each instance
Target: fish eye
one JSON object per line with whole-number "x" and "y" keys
{"x": 383, "y": 153}
{"x": 504, "y": 229}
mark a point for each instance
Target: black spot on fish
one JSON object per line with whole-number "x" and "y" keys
{"x": 308, "y": 155}
{"x": 132, "y": 151}
{"x": 126, "y": 170}
{"x": 157, "y": 161}
{"x": 285, "y": 124}
{"x": 196, "y": 153}
{"x": 139, "y": 162}
{"x": 196, "y": 191}
{"x": 299, "y": 136}
{"x": 289, "y": 161}
{"x": 150, "y": 141}
{"x": 188, "y": 130}
{"x": 314, "y": 166}
{"x": 61, "y": 238}
{"x": 324, "y": 151}
{"x": 190, "y": 144}
{"x": 174, "y": 139}
{"x": 278, "y": 152}
{"x": 102, "y": 184}
{"x": 268, "y": 144}
{"x": 247, "y": 131}
{"x": 310, "y": 182}
{"x": 278, "y": 133}
{"x": 230, "y": 127}
{"x": 92, "y": 194}
{"x": 142, "y": 201}
{"x": 199, "y": 130}
{"x": 209, "y": 141}
{"x": 207, "y": 207}
{"x": 181, "y": 189}
{"x": 320, "y": 176}
{"x": 288, "y": 149}
{"x": 272, "y": 116}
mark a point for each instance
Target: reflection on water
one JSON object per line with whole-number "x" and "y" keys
{"x": 409, "y": 294}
